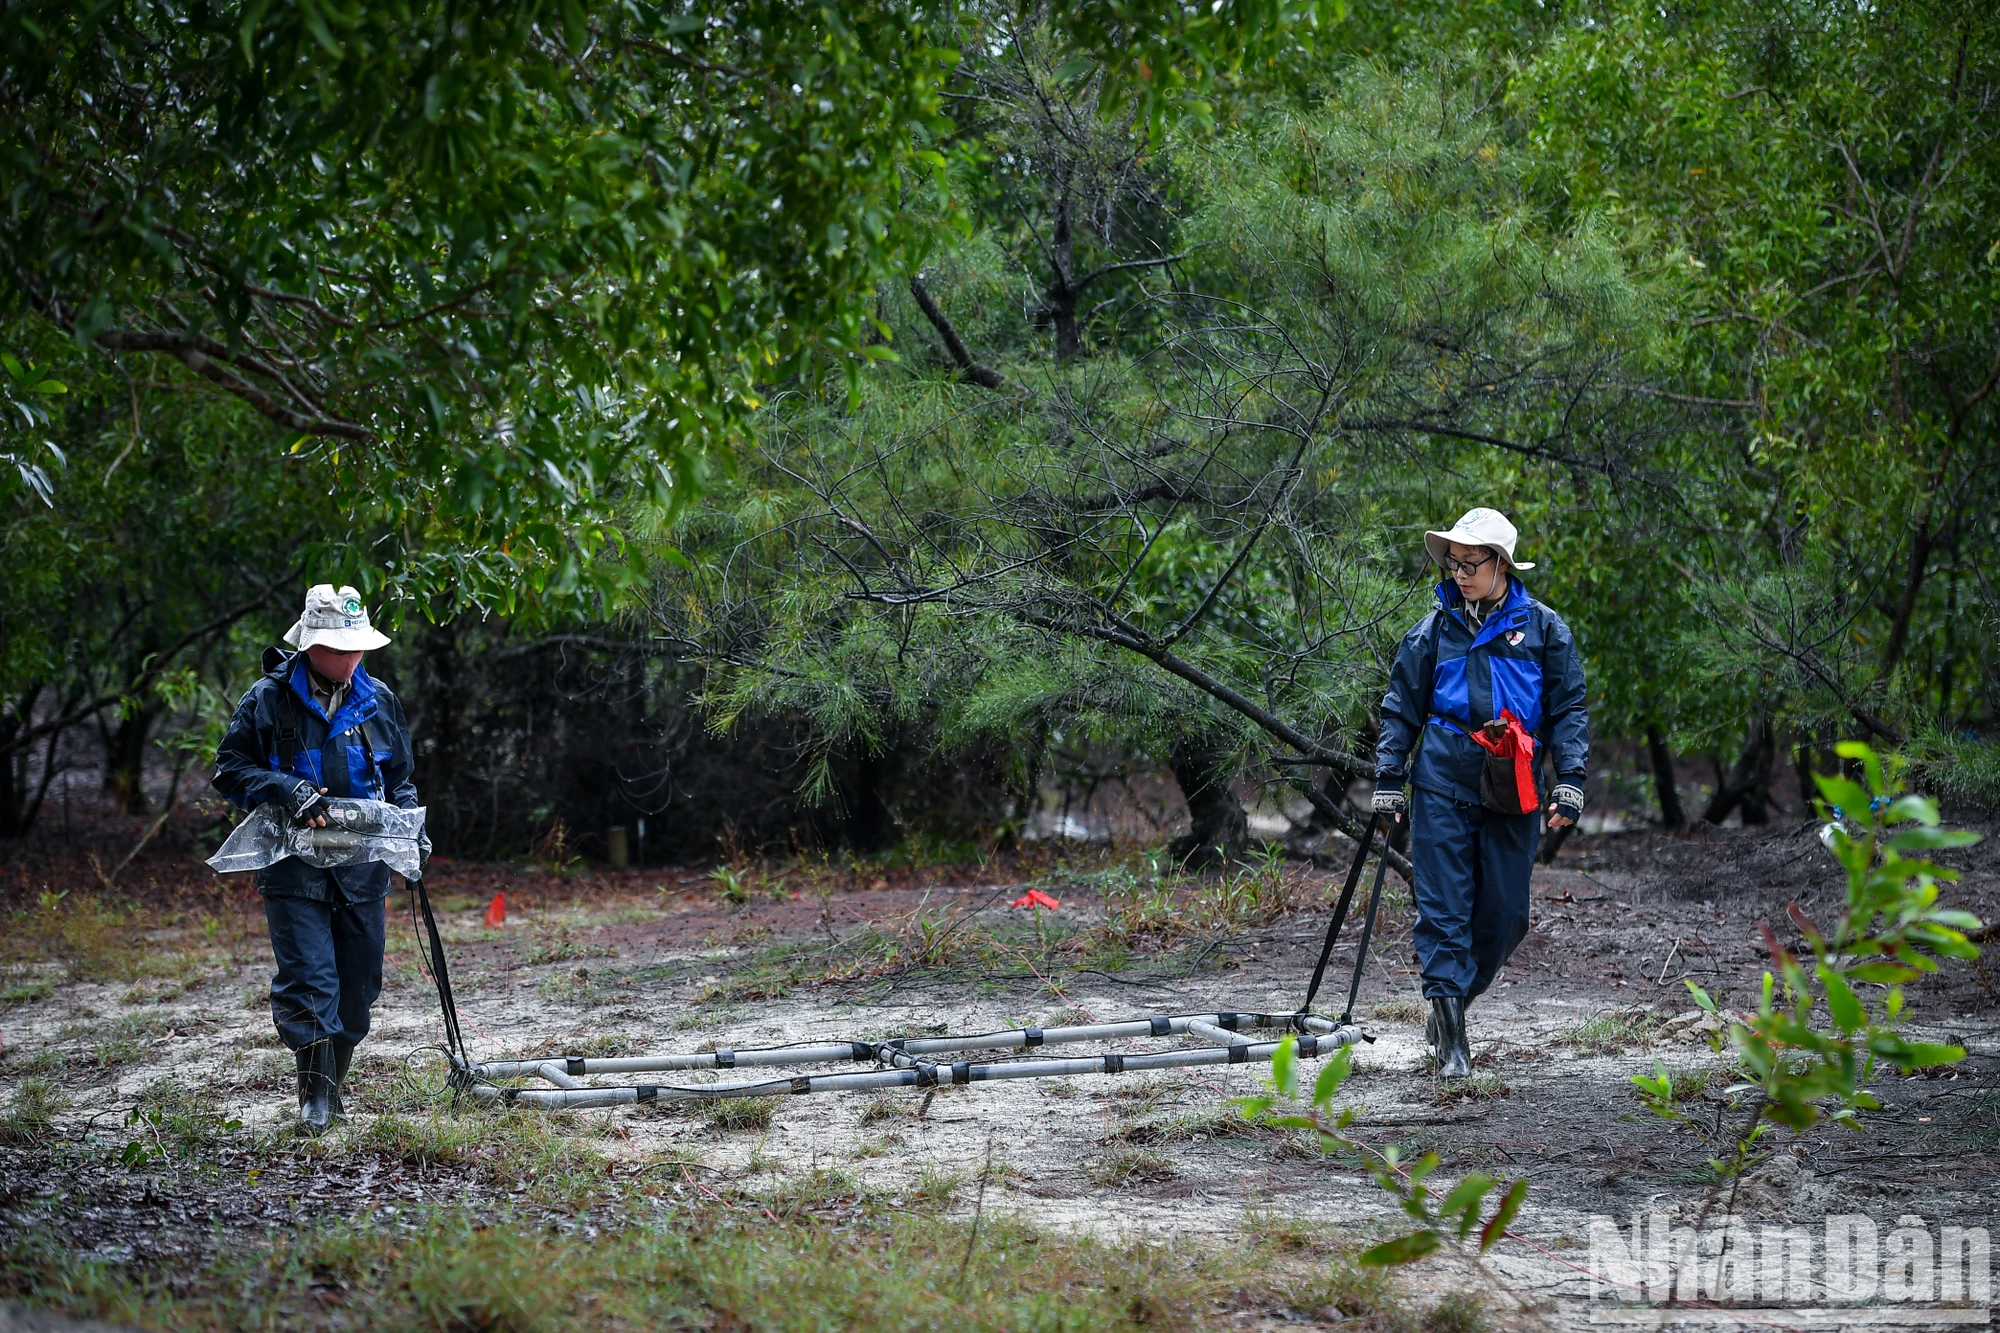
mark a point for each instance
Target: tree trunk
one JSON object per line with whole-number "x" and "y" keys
{"x": 1802, "y": 765}
{"x": 14, "y": 766}
{"x": 1060, "y": 296}
{"x": 1922, "y": 542}
{"x": 870, "y": 825}
{"x": 1671, "y": 814}
{"x": 125, "y": 760}
{"x": 435, "y": 724}
{"x": 1749, "y": 783}
{"x": 1219, "y": 831}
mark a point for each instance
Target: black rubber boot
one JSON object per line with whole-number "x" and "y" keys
{"x": 343, "y": 1056}
{"x": 319, "y": 1095}
{"x": 1446, "y": 1031}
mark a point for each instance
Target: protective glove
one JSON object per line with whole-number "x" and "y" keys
{"x": 1389, "y": 801}
{"x": 308, "y": 804}
{"x": 1567, "y": 798}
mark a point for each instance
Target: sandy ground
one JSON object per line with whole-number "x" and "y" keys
{"x": 1595, "y": 996}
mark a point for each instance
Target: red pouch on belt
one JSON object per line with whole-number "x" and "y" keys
{"x": 1507, "y": 779}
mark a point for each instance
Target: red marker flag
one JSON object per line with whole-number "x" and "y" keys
{"x": 496, "y": 911}
{"x": 1036, "y": 898}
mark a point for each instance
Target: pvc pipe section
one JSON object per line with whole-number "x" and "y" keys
{"x": 908, "y": 1069}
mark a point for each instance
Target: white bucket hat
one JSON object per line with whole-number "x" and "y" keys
{"x": 335, "y": 618}
{"x": 1477, "y": 527}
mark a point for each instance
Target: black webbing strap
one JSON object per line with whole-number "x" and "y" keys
{"x": 1340, "y": 911}
{"x": 288, "y": 723}
{"x": 1367, "y": 932}
{"x": 460, "y": 1076}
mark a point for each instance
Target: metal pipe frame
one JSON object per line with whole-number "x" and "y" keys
{"x": 906, "y": 1064}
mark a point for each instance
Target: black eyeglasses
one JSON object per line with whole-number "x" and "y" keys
{"x": 1453, "y": 565}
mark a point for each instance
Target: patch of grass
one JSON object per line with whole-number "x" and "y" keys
{"x": 715, "y": 1267}
{"x": 1140, "y": 1096}
{"x": 1686, "y": 1085}
{"x": 1128, "y": 1166}
{"x": 1287, "y": 1234}
{"x": 1480, "y": 1087}
{"x": 546, "y": 1153}
{"x": 1399, "y": 1010}
{"x": 886, "y": 1106}
{"x": 767, "y": 976}
{"x": 558, "y": 943}
{"x": 121, "y": 1042}
{"x": 1457, "y": 1312}
{"x": 1343, "y": 1286}
{"x": 31, "y": 1116}
{"x": 384, "y": 1084}
{"x": 26, "y": 991}
{"x": 804, "y": 1193}
{"x": 1611, "y": 1032}
{"x": 937, "y": 1187}
{"x": 179, "y": 1121}
{"x": 740, "y": 1113}
{"x": 1222, "y": 1122}
{"x": 581, "y": 987}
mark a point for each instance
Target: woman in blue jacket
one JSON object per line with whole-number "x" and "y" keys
{"x": 1486, "y": 656}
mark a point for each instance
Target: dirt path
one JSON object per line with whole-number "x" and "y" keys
{"x": 1593, "y": 997}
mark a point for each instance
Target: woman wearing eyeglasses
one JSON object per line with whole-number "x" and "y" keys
{"x": 1484, "y": 684}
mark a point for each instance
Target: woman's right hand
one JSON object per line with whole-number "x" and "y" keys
{"x": 1390, "y": 801}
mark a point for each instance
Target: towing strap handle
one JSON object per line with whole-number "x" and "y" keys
{"x": 461, "y": 1066}
{"x": 1367, "y": 933}
{"x": 1340, "y": 910}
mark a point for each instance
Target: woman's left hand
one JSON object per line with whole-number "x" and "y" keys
{"x": 1560, "y": 821}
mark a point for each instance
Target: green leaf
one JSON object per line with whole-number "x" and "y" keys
{"x": 1929, "y": 1055}
{"x": 1847, "y": 1011}
{"x": 1330, "y": 1078}
{"x": 1284, "y": 1066}
{"x": 1464, "y": 1199}
{"x": 1401, "y": 1250}
{"x": 1882, "y": 973}
{"x": 1503, "y": 1216}
{"x": 1850, "y": 796}
{"x": 1074, "y": 68}
{"x": 1926, "y": 839}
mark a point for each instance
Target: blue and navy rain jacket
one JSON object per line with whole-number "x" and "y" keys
{"x": 362, "y": 751}
{"x": 1448, "y": 681}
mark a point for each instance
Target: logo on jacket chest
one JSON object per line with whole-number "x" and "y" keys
{"x": 1514, "y": 639}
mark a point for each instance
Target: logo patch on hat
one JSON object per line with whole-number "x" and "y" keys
{"x": 352, "y": 606}
{"x": 1514, "y": 639}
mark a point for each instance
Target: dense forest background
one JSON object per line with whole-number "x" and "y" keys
{"x": 786, "y": 428}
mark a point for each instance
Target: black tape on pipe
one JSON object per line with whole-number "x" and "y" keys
{"x": 1162, "y": 1025}
{"x": 1034, "y": 1037}
{"x": 725, "y": 1058}
{"x": 646, "y": 1092}
{"x": 1114, "y": 1064}
{"x": 801, "y": 1084}
{"x": 1239, "y": 1054}
{"x": 863, "y": 1050}
{"x": 573, "y": 1065}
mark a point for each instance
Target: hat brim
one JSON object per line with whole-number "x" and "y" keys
{"x": 358, "y": 640}
{"x": 1439, "y": 546}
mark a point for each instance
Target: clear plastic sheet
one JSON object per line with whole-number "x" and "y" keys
{"x": 357, "y": 832}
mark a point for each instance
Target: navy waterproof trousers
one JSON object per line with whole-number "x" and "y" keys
{"x": 1472, "y": 868}
{"x": 329, "y": 967}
